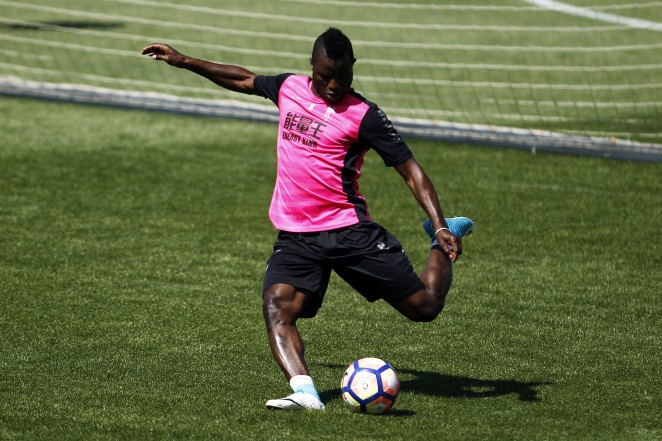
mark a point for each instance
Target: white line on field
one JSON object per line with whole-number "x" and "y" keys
{"x": 601, "y": 16}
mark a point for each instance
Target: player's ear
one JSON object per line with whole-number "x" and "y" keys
{"x": 311, "y": 60}
{"x": 353, "y": 61}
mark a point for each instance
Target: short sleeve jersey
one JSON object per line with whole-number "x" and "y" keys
{"x": 320, "y": 151}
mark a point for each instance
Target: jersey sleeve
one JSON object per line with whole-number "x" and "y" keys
{"x": 268, "y": 86}
{"x": 377, "y": 131}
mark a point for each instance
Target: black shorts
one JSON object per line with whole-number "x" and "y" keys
{"x": 365, "y": 255}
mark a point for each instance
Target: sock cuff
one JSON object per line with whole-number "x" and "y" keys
{"x": 304, "y": 383}
{"x": 301, "y": 380}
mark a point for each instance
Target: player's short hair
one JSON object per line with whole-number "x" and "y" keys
{"x": 334, "y": 44}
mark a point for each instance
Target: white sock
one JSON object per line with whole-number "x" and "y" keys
{"x": 303, "y": 383}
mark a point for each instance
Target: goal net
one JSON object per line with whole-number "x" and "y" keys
{"x": 573, "y": 75}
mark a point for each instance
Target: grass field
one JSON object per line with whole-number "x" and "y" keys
{"x": 132, "y": 248}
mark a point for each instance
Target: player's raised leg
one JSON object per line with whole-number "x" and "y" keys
{"x": 437, "y": 276}
{"x": 282, "y": 307}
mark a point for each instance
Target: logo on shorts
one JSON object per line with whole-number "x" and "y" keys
{"x": 382, "y": 246}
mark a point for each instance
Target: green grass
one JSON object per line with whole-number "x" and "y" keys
{"x": 132, "y": 248}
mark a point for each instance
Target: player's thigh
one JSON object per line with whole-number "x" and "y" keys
{"x": 388, "y": 275}
{"x": 294, "y": 280}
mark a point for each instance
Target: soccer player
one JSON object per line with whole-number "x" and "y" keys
{"x": 324, "y": 132}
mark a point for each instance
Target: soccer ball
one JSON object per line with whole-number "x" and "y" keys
{"x": 370, "y": 385}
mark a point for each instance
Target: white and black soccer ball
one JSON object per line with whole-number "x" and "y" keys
{"x": 370, "y": 385}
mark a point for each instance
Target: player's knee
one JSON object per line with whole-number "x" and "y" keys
{"x": 421, "y": 307}
{"x": 428, "y": 313}
{"x": 274, "y": 303}
{"x": 430, "y": 307}
{"x": 280, "y": 305}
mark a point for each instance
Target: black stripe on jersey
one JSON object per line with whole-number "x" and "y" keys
{"x": 355, "y": 152}
{"x": 377, "y": 132}
{"x": 268, "y": 86}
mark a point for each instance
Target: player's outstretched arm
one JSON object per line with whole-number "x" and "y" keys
{"x": 421, "y": 186}
{"x": 227, "y": 76}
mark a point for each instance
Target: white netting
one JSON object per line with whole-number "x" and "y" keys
{"x": 591, "y": 68}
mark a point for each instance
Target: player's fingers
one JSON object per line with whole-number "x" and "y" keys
{"x": 450, "y": 244}
{"x": 451, "y": 251}
{"x": 147, "y": 50}
{"x": 454, "y": 248}
{"x": 458, "y": 246}
{"x": 155, "y": 49}
{"x": 158, "y": 56}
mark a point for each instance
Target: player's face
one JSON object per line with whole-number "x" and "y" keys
{"x": 332, "y": 78}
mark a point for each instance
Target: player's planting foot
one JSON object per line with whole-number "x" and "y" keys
{"x": 296, "y": 401}
{"x": 459, "y": 226}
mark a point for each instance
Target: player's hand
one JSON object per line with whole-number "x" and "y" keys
{"x": 163, "y": 52}
{"x": 450, "y": 244}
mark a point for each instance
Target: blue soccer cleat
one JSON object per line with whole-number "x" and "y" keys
{"x": 459, "y": 226}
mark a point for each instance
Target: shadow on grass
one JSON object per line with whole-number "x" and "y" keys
{"x": 452, "y": 386}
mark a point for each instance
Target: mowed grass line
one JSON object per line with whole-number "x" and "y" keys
{"x": 132, "y": 249}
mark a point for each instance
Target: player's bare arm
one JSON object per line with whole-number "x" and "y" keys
{"x": 230, "y": 77}
{"x": 423, "y": 190}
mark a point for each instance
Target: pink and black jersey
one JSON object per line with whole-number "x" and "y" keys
{"x": 320, "y": 152}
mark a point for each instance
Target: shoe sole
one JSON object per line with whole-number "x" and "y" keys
{"x": 284, "y": 406}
